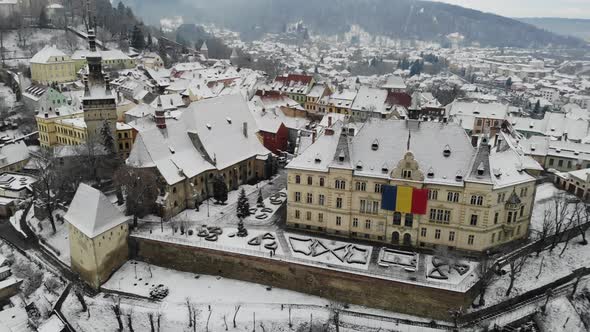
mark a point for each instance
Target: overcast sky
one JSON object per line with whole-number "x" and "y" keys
{"x": 529, "y": 8}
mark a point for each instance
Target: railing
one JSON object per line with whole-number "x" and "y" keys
{"x": 244, "y": 250}
{"x": 559, "y": 285}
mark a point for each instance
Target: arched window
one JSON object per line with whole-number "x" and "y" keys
{"x": 407, "y": 239}
{"x": 395, "y": 238}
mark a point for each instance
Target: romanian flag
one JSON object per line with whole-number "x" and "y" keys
{"x": 404, "y": 199}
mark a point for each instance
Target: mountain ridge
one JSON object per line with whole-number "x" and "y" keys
{"x": 407, "y": 19}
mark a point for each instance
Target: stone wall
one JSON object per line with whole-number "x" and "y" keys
{"x": 336, "y": 285}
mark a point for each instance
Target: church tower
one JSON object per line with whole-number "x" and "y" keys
{"x": 99, "y": 102}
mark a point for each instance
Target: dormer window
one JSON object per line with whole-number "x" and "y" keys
{"x": 430, "y": 173}
{"x": 459, "y": 177}
{"x": 228, "y": 119}
{"x": 447, "y": 151}
{"x": 498, "y": 173}
{"x": 375, "y": 145}
{"x": 317, "y": 159}
{"x": 480, "y": 169}
{"x": 341, "y": 157}
{"x": 384, "y": 169}
{"x": 359, "y": 166}
{"x": 407, "y": 173}
{"x": 558, "y": 150}
{"x": 208, "y": 126}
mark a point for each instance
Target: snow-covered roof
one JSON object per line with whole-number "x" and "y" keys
{"x": 478, "y": 110}
{"x": 394, "y": 82}
{"x": 13, "y": 153}
{"x": 46, "y": 53}
{"x": 92, "y": 213}
{"x": 370, "y": 99}
{"x": 212, "y": 122}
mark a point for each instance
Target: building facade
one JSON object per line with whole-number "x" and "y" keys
{"x": 98, "y": 234}
{"x": 51, "y": 65}
{"x": 475, "y": 199}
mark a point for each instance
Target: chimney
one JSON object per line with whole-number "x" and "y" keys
{"x": 313, "y": 137}
{"x": 329, "y": 132}
{"x": 329, "y": 121}
{"x": 245, "y": 129}
{"x": 499, "y": 145}
{"x": 160, "y": 115}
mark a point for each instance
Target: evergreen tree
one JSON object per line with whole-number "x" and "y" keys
{"x": 509, "y": 82}
{"x": 137, "y": 39}
{"x": 149, "y": 41}
{"x": 107, "y": 137}
{"x": 219, "y": 190}
{"x": 260, "y": 200}
{"x": 43, "y": 19}
{"x": 243, "y": 209}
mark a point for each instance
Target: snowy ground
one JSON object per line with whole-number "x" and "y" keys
{"x": 40, "y": 286}
{"x": 221, "y": 296}
{"x": 543, "y": 201}
{"x": 212, "y": 214}
{"x": 552, "y": 267}
{"x": 36, "y": 39}
{"x": 560, "y": 315}
{"x": 57, "y": 244}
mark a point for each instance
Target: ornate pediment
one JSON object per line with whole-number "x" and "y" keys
{"x": 408, "y": 169}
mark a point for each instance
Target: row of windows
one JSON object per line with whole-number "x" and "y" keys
{"x": 440, "y": 216}
{"x": 309, "y": 180}
{"x": 369, "y": 207}
{"x": 309, "y": 198}
{"x": 437, "y": 234}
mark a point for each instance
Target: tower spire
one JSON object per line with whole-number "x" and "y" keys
{"x": 91, "y": 32}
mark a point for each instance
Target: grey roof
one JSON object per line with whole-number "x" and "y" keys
{"x": 208, "y": 135}
{"x": 92, "y": 213}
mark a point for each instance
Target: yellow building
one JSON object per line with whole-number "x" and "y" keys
{"x": 473, "y": 199}
{"x": 51, "y": 65}
{"x": 47, "y": 119}
{"x": 113, "y": 59}
{"x": 98, "y": 236}
{"x": 125, "y": 138}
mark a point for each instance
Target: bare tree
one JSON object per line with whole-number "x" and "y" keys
{"x": 236, "y": 308}
{"x": 48, "y": 183}
{"x": 116, "y": 307}
{"x": 547, "y": 228}
{"x": 80, "y": 297}
{"x": 130, "y": 321}
{"x": 583, "y": 222}
{"x": 189, "y": 307}
{"x": 573, "y": 220}
{"x": 560, "y": 206}
{"x": 151, "y": 318}
{"x": 486, "y": 276}
{"x": 516, "y": 265}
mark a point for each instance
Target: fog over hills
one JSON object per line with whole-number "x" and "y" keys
{"x": 564, "y": 26}
{"x": 408, "y": 19}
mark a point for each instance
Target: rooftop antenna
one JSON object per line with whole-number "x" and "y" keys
{"x": 409, "y": 137}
